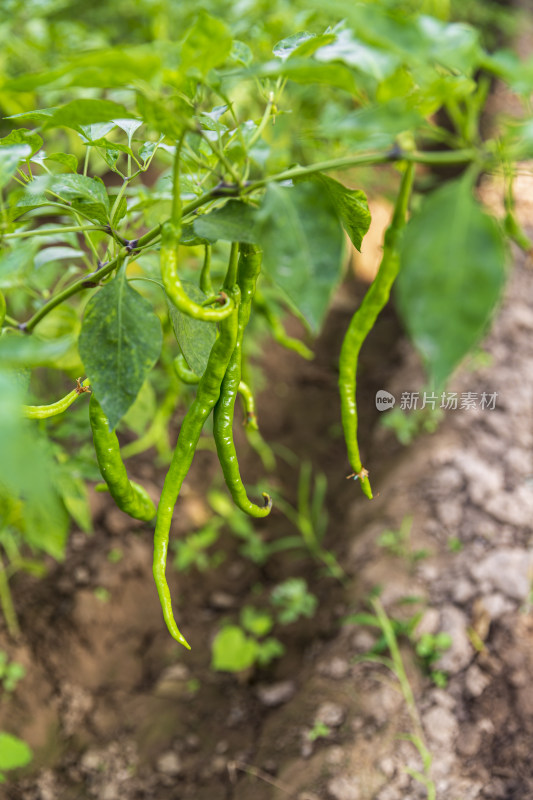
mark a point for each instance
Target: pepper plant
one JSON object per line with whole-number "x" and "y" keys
{"x": 155, "y": 186}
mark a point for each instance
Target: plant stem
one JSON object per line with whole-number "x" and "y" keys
{"x": 6, "y": 603}
{"x": 78, "y": 286}
{"x": 264, "y": 121}
{"x": 55, "y": 231}
{"x": 431, "y": 158}
{"x": 177, "y": 207}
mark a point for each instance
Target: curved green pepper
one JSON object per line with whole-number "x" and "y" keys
{"x": 129, "y": 496}
{"x": 248, "y": 271}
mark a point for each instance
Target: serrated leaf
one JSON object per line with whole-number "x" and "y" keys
{"x": 14, "y": 752}
{"x": 303, "y": 243}
{"x": 451, "y": 277}
{"x": 10, "y": 157}
{"x": 195, "y": 337}
{"x": 351, "y": 205}
{"x": 119, "y": 343}
{"x": 234, "y": 222}
{"x": 233, "y": 651}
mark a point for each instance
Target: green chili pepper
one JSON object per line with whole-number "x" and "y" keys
{"x": 170, "y": 237}
{"x": 248, "y": 272}
{"x": 205, "y": 275}
{"x": 129, "y": 496}
{"x": 361, "y": 324}
{"x": 2, "y": 309}
{"x": 191, "y": 428}
{"x": 184, "y": 373}
{"x": 51, "y": 410}
{"x": 278, "y": 331}
{"x": 248, "y": 404}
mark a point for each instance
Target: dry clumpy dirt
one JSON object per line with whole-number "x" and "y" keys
{"x": 115, "y": 710}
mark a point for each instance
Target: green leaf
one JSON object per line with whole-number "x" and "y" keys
{"x": 27, "y": 470}
{"x": 14, "y": 752}
{"x": 234, "y": 222}
{"x": 268, "y": 650}
{"x": 95, "y": 130}
{"x": 85, "y": 112}
{"x": 38, "y": 114}
{"x": 241, "y": 53}
{"x": 18, "y": 350}
{"x": 452, "y": 45}
{"x": 86, "y": 194}
{"x": 10, "y": 157}
{"x": 303, "y": 70}
{"x": 52, "y": 254}
{"x": 66, "y": 159}
{"x": 374, "y": 127}
{"x": 73, "y": 492}
{"x": 119, "y": 343}
{"x": 195, "y": 337}
{"x": 451, "y": 277}
{"x": 287, "y": 46}
{"x": 233, "y": 651}
{"x": 206, "y": 45}
{"x": 23, "y": 136}
{"x": 351, "y": 205}
{"x": 143, "y": 410}
{"x": 190, "y": 239}
{"x": 16, "y": 264}
{"x": 303, "y": 244}
{"x": 114, "y": 67}
{"x": 256, "y": 621}
{"x": 364, "y": 58}
{"x": 129, "y": 126}
{"x": 46, "y": 521}
{"x": 170, "y": 116}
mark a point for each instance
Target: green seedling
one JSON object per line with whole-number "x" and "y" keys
{"x": 398, "y": 542}
{"x": 192, "y": 551}
{"x": 11, "y": 672}
{"x": 394, "y": 663}
{"x": 319, "y": 731}
{"x": 293, "y": 600}
{"x": 14, "y": 753}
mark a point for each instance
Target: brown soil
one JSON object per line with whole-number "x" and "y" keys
{"x": 115, "y": 709}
